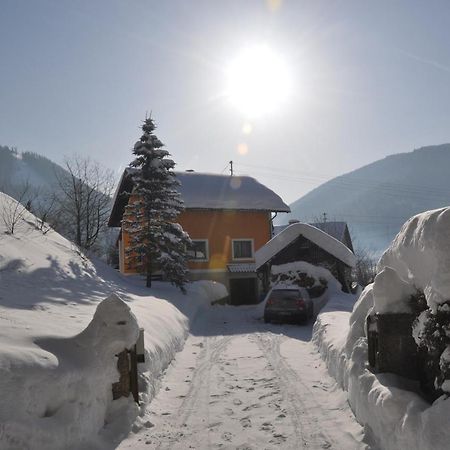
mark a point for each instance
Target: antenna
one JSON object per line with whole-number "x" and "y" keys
{"x": 231, "y": 168}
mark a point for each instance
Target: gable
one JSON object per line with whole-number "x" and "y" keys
{"x": 313, "y": 234}
{"x": 338, "y": 230}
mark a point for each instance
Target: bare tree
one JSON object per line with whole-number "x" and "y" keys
{"x": 13, "y": 210}
{"x": 85, "y": 200}
{"x": 45, "y": 209}
{"x": 366, "y": 266}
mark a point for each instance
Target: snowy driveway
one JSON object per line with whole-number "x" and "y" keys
{"x": 241, "y": 384}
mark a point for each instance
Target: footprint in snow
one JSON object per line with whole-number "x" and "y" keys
{"x": 278, "y": 439}
{"x": 255, "y": 405}
{"x": 237, "y": 402}
{"x": 267, "y": 426}
{"x": 246, "y": 422}
{"x": 227, "y": 436}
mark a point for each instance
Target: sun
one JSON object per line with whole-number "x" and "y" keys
{"x": 258, "y": 81}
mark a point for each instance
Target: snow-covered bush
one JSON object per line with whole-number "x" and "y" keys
{"x": 432, "y": 334}
{"x": 314, "y": 279}
{"x": 418, "y": 261}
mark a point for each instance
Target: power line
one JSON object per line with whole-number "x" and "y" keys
{"x": 330, "y": 178}
{"x": 385, "y": 187}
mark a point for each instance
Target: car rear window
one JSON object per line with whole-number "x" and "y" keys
{"x": 287, "y": 294}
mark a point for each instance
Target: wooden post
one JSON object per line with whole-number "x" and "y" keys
{"x": 134, "y": 387}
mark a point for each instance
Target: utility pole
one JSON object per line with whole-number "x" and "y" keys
{"x": 231, "y": 168}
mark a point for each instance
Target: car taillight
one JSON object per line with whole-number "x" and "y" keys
{"x": 269, "y": 301}
{"x": 300, "y": 302}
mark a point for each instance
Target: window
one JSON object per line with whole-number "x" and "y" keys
{"x": 199, "y": 250}
{"x": 242, "y": 248}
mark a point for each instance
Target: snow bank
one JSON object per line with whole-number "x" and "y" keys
{"x": 62, "y": 404}
{"x": 394, "y": 414}
{"x": 59, "y": 335}
{"x": 391, "y": 293}
{"x": 421, "y": 252}
{"x": 394, "y": 417}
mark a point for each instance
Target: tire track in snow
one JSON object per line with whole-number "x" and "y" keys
{"x": 198, "y": 390}
{"x": 306, "y": 427}
{"x": 244, "y": 392}
{"x": 198, "y": 396}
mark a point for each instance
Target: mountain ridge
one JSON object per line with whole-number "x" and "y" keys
{"x": 378, "y": 198}
{"x": 20, "y": 168}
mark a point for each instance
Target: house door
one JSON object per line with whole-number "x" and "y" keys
{"x": 243, "y": 291}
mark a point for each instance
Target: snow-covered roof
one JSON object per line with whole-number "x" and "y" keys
{"x": 210, "y": 191}
{"x": 205, "y": 190}
{"x": 320, "y": 238}
{"x": 335, "y": 229}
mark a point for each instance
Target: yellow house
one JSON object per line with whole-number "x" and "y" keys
{"x": 228, "y": 219}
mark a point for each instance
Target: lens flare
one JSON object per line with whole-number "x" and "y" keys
{"x": 247, "y": 128}
{"x": 242, "y": 148}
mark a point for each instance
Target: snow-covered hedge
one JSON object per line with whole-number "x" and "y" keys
{"x": 313, "y": 278}
{"x": 412, "y": 274}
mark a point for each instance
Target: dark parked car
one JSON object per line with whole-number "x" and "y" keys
{"x": 288, "y": 304}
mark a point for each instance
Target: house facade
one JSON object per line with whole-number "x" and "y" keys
{"x": 228, "y": 219}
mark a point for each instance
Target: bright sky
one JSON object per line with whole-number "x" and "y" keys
{"x": 365, "y": 79}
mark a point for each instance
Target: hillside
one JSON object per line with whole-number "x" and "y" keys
{"x": 57, "y": 359}
{"x": 47, "y": 190}
{"x": 19, "y": 168}
{"x": 378, "y": 198}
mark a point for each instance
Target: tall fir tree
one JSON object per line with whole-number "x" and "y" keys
{"x": 156, "y": 240}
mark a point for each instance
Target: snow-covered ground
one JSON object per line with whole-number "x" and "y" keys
{"x": 57, "y": 359}
{"x": 242, "y": 384}
{"x": 235, "y": 382}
